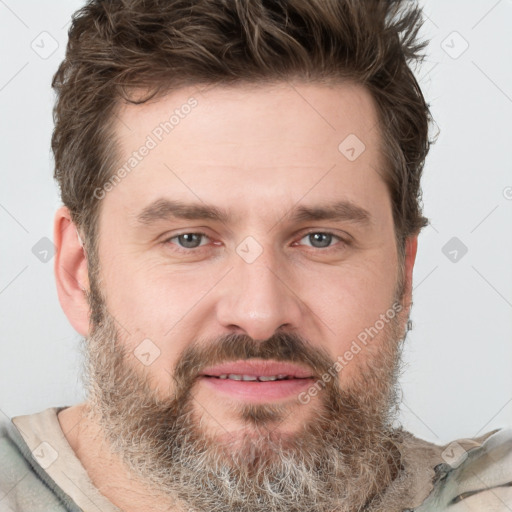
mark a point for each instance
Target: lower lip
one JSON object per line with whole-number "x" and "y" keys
{"x": 256, "y": 391}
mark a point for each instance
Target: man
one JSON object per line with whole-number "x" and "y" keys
{"x": 241, "y": 189}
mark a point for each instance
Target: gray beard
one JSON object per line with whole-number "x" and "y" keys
{"x": 342, "y": 460}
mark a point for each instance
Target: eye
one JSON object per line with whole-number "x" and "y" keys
{"x": 188, "y": 240}
{"x": 321, "y": 239}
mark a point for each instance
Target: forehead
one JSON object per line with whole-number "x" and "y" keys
{"x": 267, "y": 145}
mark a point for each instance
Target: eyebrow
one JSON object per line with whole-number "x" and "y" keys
{"x": 165, "y": 209}
{"x": 338, "y": 211}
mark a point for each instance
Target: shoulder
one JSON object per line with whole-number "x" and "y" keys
{"x": 21, "y": 488}
{"x": 476, "y": 474}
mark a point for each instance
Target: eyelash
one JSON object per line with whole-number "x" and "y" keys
{"x": 328, "y": 233}
{"x": 193, "y": 250}
{"x": 183, "y": 249}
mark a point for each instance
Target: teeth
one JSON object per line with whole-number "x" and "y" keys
{"x": 252, "y": 378}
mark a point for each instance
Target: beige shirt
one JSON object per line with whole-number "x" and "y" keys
{"x": 43, "y": 434}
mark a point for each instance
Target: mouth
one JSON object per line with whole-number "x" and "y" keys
{"x": 252, "y": 378}
{"x": 257, "y": 381}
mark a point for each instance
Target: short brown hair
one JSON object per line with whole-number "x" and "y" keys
{"x": 117, "y": 46}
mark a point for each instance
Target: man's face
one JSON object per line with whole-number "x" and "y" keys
{"x": 297, "y": 278}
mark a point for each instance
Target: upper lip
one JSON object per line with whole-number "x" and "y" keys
{"x": 258, "y": 369}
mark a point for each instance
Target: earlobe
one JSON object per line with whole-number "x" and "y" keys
{"x": 71, "y": 272}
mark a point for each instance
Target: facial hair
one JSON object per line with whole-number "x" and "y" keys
{"x": 341, "y": 460}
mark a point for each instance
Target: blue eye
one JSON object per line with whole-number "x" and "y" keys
{"x": 320, "y": 239}
{"x": 188, "y": 240}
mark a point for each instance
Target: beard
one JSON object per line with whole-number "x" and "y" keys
{"x": 342, "y": 459}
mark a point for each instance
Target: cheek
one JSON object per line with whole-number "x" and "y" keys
{"x": 148, "y": 295}
{"x": 157, "y": 308}
{"x": 351, "y": 299}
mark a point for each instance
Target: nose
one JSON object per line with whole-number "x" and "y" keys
{"x": 257, "y": 300}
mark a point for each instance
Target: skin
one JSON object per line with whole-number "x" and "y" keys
{"x": 258, "y": 152}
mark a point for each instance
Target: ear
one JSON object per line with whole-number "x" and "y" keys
{"x": 411, "y": 247}
{"x": 71, "y": 273}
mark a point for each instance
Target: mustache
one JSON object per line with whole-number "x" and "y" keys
{"x": 283, "y": 347}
